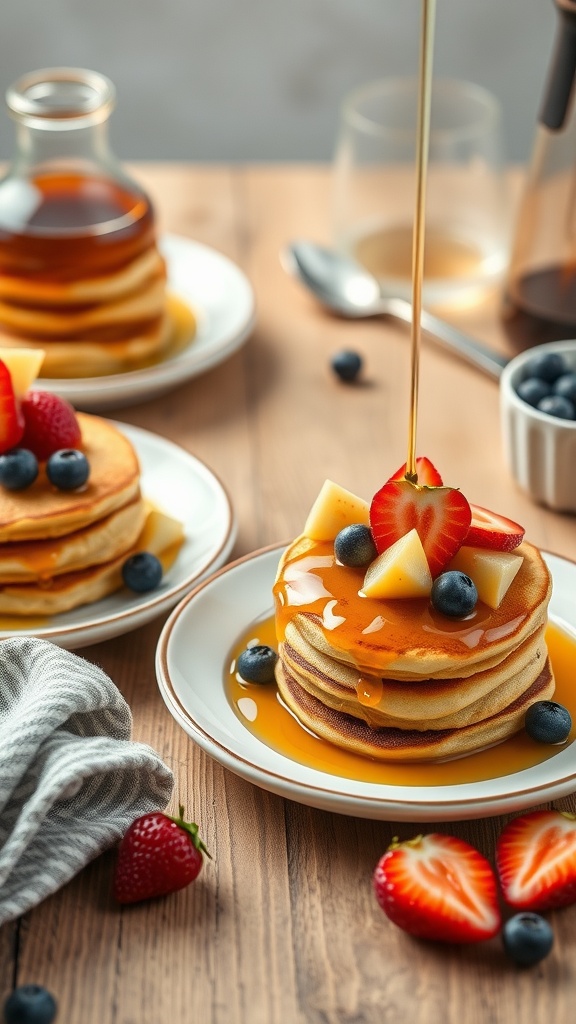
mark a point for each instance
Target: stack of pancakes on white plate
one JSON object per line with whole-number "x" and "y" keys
{"x": 61, "y": 549}
{"x": 93, "y": 326}
{"x": 395, "y": 680}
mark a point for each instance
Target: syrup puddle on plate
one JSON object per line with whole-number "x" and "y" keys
{"x": 261, "y": 711}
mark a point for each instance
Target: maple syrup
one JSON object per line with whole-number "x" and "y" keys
{"x": 541, "y": 307}
{"x": 64, "y": 226}
{"x": 387, "y": 254}
{"x": 262, "y": 712}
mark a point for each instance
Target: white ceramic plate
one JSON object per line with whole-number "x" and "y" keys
{"x": 190, "y": 667}
{"x": 223, "y": 301}
{"x": 183, "y": 487}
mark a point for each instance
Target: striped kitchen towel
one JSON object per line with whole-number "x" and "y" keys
{"x": 71, "y": 780}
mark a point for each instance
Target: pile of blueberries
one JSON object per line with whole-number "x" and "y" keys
{"x": 549, "y": 385}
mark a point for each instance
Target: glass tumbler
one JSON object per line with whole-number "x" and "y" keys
{"x": 467, "y": 209}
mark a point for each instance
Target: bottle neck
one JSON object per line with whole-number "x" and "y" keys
{"x": 41, "y": 150}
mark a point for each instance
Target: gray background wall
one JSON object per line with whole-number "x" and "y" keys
{"x": 262, "y": 79}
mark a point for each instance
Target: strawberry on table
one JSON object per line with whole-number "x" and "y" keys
{"x": 438, "y": 887}
{"x": 50, "y": 424}
{"x": 11, "y": 419}
{"x": 158, "y": 855}
{"x": 440, "y": 515}
{"x": 536, "y": 860}
{"x": 490, "y": 530}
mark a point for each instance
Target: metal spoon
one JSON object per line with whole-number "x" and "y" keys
{"x": 346, "y": 288}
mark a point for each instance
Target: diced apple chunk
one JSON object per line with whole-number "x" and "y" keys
{"x": 400, "y": 571}
{"x": 334, "y": 509}
{"x": 23, "y": 366}
{"x": 491, "y": 571}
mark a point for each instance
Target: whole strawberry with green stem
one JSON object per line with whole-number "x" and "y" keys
{"x": 158, "y": 855}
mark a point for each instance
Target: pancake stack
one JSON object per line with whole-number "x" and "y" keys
{"x": 61, "y": 549}
{"x": 394, "y": 679}
{"x": 91, "y": 326}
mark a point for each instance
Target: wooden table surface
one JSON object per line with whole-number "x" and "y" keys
{"x": 282, "y": 925}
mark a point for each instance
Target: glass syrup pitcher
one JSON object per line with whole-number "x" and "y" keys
{"x": 540, "y": 297}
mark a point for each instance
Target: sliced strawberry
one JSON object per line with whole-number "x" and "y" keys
{"x": 425, "y": 471}
{"x": 438, "y": 887}
{"x": 440, "y": 515}
{"x": 50, "y": 424}
{"x": 536, "y": 860}
{"x": 490, "y": 530}
{"x": 11, "y": 419}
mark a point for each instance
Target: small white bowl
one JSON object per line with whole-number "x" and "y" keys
{"x": 540, "y": 449}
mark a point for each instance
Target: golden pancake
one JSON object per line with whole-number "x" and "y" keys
{"x": 72, "y": 589}
{"x": 103, "y": 541}
{"x": 147, "y": 303}
{"x": 434, "y": 704}
{"x": 104, "y": 288}
{"x": 402, "y": 639}
{"x": 41, "y": 511}
{"x": 393, "y": 744}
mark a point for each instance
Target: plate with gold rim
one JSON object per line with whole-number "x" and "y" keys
{"x": 183, "y": 487}
{"x": 192, "y": 662}
{"x": 222, "y": 299}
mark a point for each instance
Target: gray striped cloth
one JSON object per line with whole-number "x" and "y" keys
{"x": 71, "y": 780}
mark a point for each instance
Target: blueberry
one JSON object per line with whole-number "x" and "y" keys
{"x": 18, "y": 469}
{"x": 346, "y": 365}
{"x": 556, "y": 405}
{"x": 142, "y": 572}
{"x": 565, "y": 386}
{"x": 454, "y": 594}
{"x": 532, "y": 390}
{"x": 527, "y": 938}
{"x": 547, "y": 366}
{"x": 355, "y": 546}
{"x": 30, "y": 1004}
{"x": 68, "y": 469}
{"x": 548, "y": 722}
{"x": 256, "y": 664}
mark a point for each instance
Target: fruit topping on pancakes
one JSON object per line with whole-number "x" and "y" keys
{"x": 398, "y": 638}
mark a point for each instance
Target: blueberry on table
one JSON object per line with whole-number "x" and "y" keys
{"x": 454, "y": 594}
{"x": 527, "y": 938}
{"x": 354, "y": 545}
{"x": 556, "y": 405}
{"x": 256, "y": 664}
{"x": 30, "y": 1004}
{"x": 548, "y": 722}
{"x": 18, "y": 469}
{"x": 142, "y": 572}
{"x": 565, "y": 386}
{"x": 68, "y": 469}
{"x": 346, "y": 365}
{"x": 547, "y": 366}
{"x": 533, "y": 390}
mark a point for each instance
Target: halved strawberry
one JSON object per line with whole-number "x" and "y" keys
{"x": 438, "y": 887}
{"x": 490, "y": 530}
{"x": 536, "y": 860}
{"x": 11, "y": 418}
{"x": 440, "y": 515}
{"x": 425, "y": 471}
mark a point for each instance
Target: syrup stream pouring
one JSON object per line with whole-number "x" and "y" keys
{"x": 343, "y": 286}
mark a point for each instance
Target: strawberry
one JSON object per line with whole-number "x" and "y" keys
{"x": 158, "y": 855}
{"x": 438, "y": 887}
{"x": 536, "y": 860}
{"x": 490, "y": 530}
{"x": 50, "y": 424}
{"x": 441, "y": 516}
{"x": 11, "y": 420}
{"x": 426, "y": 473}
